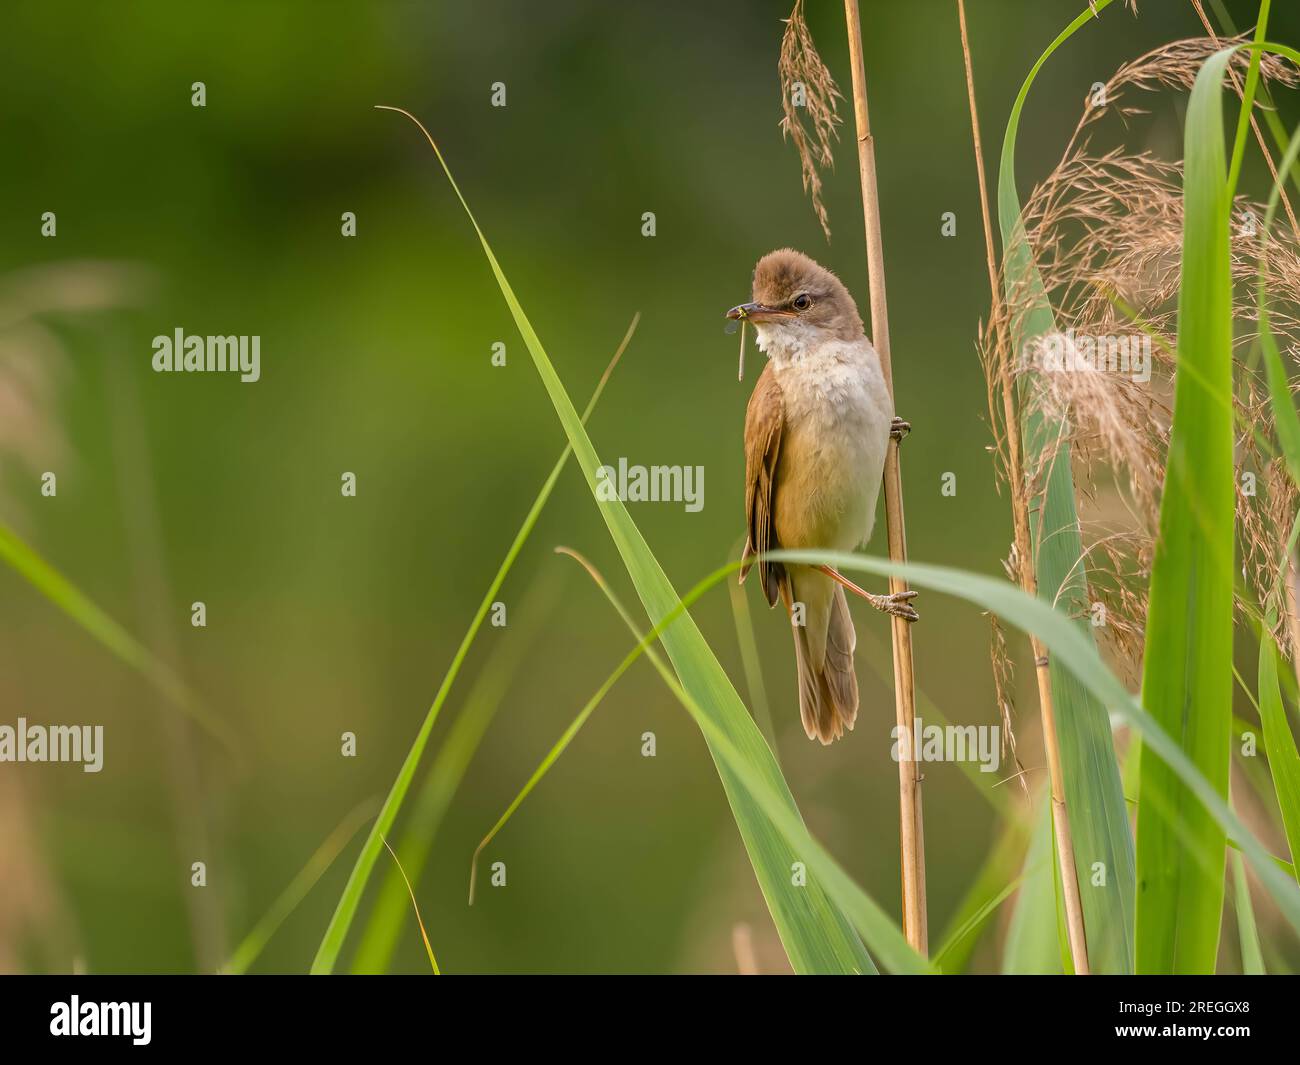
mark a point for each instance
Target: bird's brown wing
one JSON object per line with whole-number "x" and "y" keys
{"x": 764, "y": 421}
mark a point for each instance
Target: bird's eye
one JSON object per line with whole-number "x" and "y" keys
{"x": 801, "y": 302}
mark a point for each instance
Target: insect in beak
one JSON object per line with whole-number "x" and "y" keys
{"x": 741, "y": 314}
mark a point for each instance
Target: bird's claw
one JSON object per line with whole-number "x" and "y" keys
{"x": 899, "y": 429}
{"x": 898, "y": 605}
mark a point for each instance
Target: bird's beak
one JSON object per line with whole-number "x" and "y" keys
{"x": 757, "y": 312}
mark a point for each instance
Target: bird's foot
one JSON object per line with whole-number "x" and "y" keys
{"x": 898, "y": 605}
{"x": 899, "y": 429}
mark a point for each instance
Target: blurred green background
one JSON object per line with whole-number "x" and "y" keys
{"x": 328, "y": 614}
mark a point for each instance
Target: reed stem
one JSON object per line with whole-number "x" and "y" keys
{"x": 911, "y": 830}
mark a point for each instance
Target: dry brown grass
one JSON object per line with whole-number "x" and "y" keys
{"x": 814, "y": 126}
{"x": 1004, "y": 685}
{"x": 1105, "y": 228}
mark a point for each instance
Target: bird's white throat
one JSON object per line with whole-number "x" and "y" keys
{"x": 789, "y": 341}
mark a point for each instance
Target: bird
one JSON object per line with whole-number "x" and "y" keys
{"x": 817, "y": 430}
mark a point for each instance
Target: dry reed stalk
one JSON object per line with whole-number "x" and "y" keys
{"x": 1023, "y": 552}
{"x": 911, "y": 833}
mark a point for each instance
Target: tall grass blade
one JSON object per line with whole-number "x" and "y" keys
{"x": 1279, "y": 387}
{"x": 1031, "y": 946}
{"x": 1252, "y": 954}
{"x": 1187, "y": 664}
{"x": 964, "y": 933}
{"x": 1003, "y": 866}
{"x": 1279, "y": 743}
{"x": 553, "y": 755}
{"x": 751, "y": 664}
{"x": 1077, "y": 653}
{"x": 1248, "y": 103}
{"x": 1094, "y": 798}
{"x": 884, "y": 937}
{"x": 817, "y": 937}
{"x": 1276, "y": 128}
{"x": 447, "y": 771}
{"x": 337, "y": 931}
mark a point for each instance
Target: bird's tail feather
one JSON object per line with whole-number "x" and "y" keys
{"x": 828, "y": 697}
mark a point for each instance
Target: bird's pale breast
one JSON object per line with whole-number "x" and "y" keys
{"x": 837, "y": 420}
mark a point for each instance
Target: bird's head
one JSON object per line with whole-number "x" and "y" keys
{"x": 798, "y": 304}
